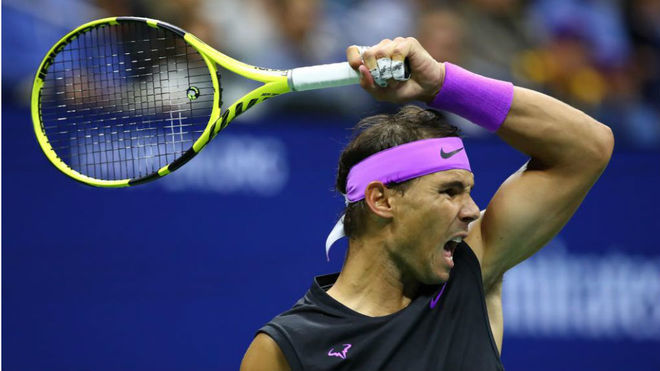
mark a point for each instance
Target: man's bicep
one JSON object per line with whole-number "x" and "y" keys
{"x": 264, "y": 355}
{"x": 527, "y": 211}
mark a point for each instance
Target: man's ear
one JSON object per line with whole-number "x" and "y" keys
{"x": 377, "y": 197}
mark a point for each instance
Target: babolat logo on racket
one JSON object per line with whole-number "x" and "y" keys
{"x": 105, "y": 139}
{"x": 192, "y": 93}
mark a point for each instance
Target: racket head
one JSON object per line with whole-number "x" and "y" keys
{"x": 124, "y": 100}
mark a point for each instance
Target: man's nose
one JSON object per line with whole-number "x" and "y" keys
{"x": 469, "y": 211}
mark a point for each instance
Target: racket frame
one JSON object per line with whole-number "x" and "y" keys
{"x": 275, "y": 81}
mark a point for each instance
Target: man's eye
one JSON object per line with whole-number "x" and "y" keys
{"x": 451, "y": 192}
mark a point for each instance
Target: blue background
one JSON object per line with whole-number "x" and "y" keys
{"x": 179, "y": 274}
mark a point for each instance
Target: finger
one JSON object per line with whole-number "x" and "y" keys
{"x": 396, "y": 50}
{"x": 366, "y": 80}
{"x": 372, "y": 53}
{"x": 399, "y": 70}
{"x": 384, "y": 68}
{"x": 377, "y": 79}
{"x": 400, "y": 50}
{"x": 380, "y": 71}
{"x": 372, "y": 65}
{"x": 354, "y": 56}
{"x": 394, "y": 84}
{"x": 362, "y": 49}
{"x": 370, "y": 60}
{"x": 384, "y": 72}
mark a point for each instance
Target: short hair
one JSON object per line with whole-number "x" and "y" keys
{"x": 377, "y": 133}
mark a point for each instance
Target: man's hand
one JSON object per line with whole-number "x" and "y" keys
{"x": 426, "y": 76}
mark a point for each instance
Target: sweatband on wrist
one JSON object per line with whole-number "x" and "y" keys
{"x": 482, "y": 100}
{"x": 398, "y": 164}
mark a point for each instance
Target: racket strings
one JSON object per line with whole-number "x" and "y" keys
{"x": 115, "y": 101}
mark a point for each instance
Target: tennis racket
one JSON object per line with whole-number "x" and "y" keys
{"x": 123, "y": 101}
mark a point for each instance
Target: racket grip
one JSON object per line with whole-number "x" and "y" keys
{"x": 322, "y": 76}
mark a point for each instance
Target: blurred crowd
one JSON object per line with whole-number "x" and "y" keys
{"x": 600, "y": 56}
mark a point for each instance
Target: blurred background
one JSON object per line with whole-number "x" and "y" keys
{"x": 180, "y": 273}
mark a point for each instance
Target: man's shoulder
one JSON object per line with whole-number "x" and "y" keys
{"x": 281, "y": 335}
{"x": 302, "y": 308}
{"x": 264, "y": 354}
{"x": 315, "y": 304}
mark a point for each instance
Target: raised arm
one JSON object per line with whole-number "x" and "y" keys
{"x": 568, "y": 150}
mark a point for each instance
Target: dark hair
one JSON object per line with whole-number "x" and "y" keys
{"x": 376, "y": 133}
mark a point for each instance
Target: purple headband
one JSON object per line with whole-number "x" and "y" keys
{"x": 398, "y": 164}
{"x": 406, "y": 161}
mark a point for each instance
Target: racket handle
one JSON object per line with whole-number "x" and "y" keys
{"x": 322, "y": 76}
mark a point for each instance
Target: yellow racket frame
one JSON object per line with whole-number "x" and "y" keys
{"x": 275, "y": 83}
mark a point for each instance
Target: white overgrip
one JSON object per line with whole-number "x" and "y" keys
{"x": 322, "y": 76}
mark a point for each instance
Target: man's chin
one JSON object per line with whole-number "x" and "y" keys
{"x": 440, "y": 277}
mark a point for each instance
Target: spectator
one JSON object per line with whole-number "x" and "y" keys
{"x": 495, "y": 34}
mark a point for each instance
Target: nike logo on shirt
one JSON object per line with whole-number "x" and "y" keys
{"x": 435, "y": 300}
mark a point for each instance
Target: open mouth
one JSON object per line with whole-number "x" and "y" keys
{"x": 450, "y": 246}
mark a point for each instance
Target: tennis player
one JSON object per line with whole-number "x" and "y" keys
{"x": 421, "y": 286}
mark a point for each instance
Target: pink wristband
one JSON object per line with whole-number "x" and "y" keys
{"x": 482, "y": 100}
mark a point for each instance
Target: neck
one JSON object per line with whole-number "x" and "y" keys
{"x": 370, "y": 282}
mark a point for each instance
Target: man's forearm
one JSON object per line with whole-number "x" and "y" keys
{"x": 553, "y": 133}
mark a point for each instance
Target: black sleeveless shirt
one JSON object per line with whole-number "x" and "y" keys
{"x": 445, "y": 328}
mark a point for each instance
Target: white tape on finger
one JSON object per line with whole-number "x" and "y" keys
{"x": 385, "y": 68}
{"x": 398, "y": 71}
{"x": 375, "y": 73}
{"x": 382, "y": 72}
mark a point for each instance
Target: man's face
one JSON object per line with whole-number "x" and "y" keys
{"x": 428, "y": 219}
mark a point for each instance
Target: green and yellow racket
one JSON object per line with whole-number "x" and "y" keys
{"x": 122, "y": 101}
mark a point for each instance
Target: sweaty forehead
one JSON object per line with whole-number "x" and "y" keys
{"x": 448, "y": 176}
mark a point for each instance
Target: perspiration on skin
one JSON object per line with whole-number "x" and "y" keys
{"x": 377, "y": 133}
{"x": 399, "y": 244}
{"x": 398, "y": 164}
{"x": 436, "y": 209}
